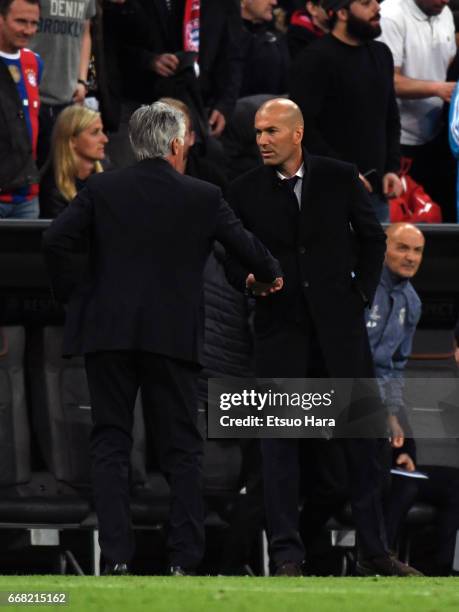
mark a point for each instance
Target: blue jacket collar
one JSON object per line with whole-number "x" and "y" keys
{"x": 392, "y": 281}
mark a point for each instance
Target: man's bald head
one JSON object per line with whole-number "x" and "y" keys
{"x": 402, "y": 228}
{"x": 282, "y": 107}
{"x": 279, "y": 129}
{"x": 405, "y": 247}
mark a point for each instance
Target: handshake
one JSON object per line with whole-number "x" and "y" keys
{"x": 259, "y": 289}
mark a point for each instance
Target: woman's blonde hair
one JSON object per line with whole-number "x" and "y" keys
{"x": 71, "y": 122}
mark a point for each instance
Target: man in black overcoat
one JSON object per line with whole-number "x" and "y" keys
{"x": 314, "y": 215}
{"x": 136, "y": 316}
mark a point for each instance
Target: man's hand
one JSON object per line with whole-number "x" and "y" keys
{"x": 217, "y": 123}
{"x": 444, "y": 90}
{"x": 392, "y": 185}
{"x": 405, "y": 462}
{"x": 79, "y": 94}
{"x": 263, "y": 289}
{"x": 397, "y": 435}
{"x": 368, "y": 187}
{"x": 165, "y": 64}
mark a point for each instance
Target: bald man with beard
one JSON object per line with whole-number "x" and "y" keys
{"x": 314, "y": 215}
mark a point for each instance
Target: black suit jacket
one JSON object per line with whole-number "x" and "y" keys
{"x": 150, "y": 231}
{"x": 331, "y": 254}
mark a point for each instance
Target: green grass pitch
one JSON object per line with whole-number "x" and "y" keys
{"x": 186, "y": 594}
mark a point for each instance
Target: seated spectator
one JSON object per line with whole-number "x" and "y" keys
{"x": 264, "y": 50}
{"x": 78, "y": 147}
{"x": 394, "y": 315}
{"x": 306, "y": 25}
{"x": 391, "y": 325}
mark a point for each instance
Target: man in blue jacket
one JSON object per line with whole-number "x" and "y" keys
{"x": 393, "y": 318}
{"x": 391, "y": 324}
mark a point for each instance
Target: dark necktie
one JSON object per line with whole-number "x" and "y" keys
{"x": 291, "y": 182}
{"x": 290, "y": 185}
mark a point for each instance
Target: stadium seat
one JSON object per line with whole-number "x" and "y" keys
{"x": 32, "y": 500}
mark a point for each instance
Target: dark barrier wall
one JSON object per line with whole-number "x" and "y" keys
{"x": 25, "y": 296}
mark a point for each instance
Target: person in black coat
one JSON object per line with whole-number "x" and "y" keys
{"x": 136, "y": 317}
{"x": 114, "y": 25}
{"x": 264, "y": 49}
{"x": 158, "y": 65}
{"x": 227, "y": 351}
{"x": 315, "y": 216}
{"x": 344, "y": 85}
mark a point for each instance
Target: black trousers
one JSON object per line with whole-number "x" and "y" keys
{"x": 344, "y": 470}
{"x": 247, "y": 515}
{"x": 301, "y": 358}
{"x": 169, "y": 390}
{"x": 442, "y": 491}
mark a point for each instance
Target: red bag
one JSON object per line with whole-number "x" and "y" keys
{"x": 413, "y": 205}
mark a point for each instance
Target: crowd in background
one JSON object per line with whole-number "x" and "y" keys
{"x": 222, "y": 60}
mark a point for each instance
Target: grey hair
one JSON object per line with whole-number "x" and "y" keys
{"x": 153, "y": 128}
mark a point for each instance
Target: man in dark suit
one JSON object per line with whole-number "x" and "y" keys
{"x": 316, "y": 218}
{"x": 136, "y": 317}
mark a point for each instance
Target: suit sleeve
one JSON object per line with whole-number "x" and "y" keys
{"x": 370, "y": 240}
{"x": 64, "y": 244}
{"x": 248, "y": 251}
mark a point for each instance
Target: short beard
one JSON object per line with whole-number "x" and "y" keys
{"x": 362, "y": 30}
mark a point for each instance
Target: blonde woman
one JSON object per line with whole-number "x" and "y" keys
{"x": 78, "y": 147}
